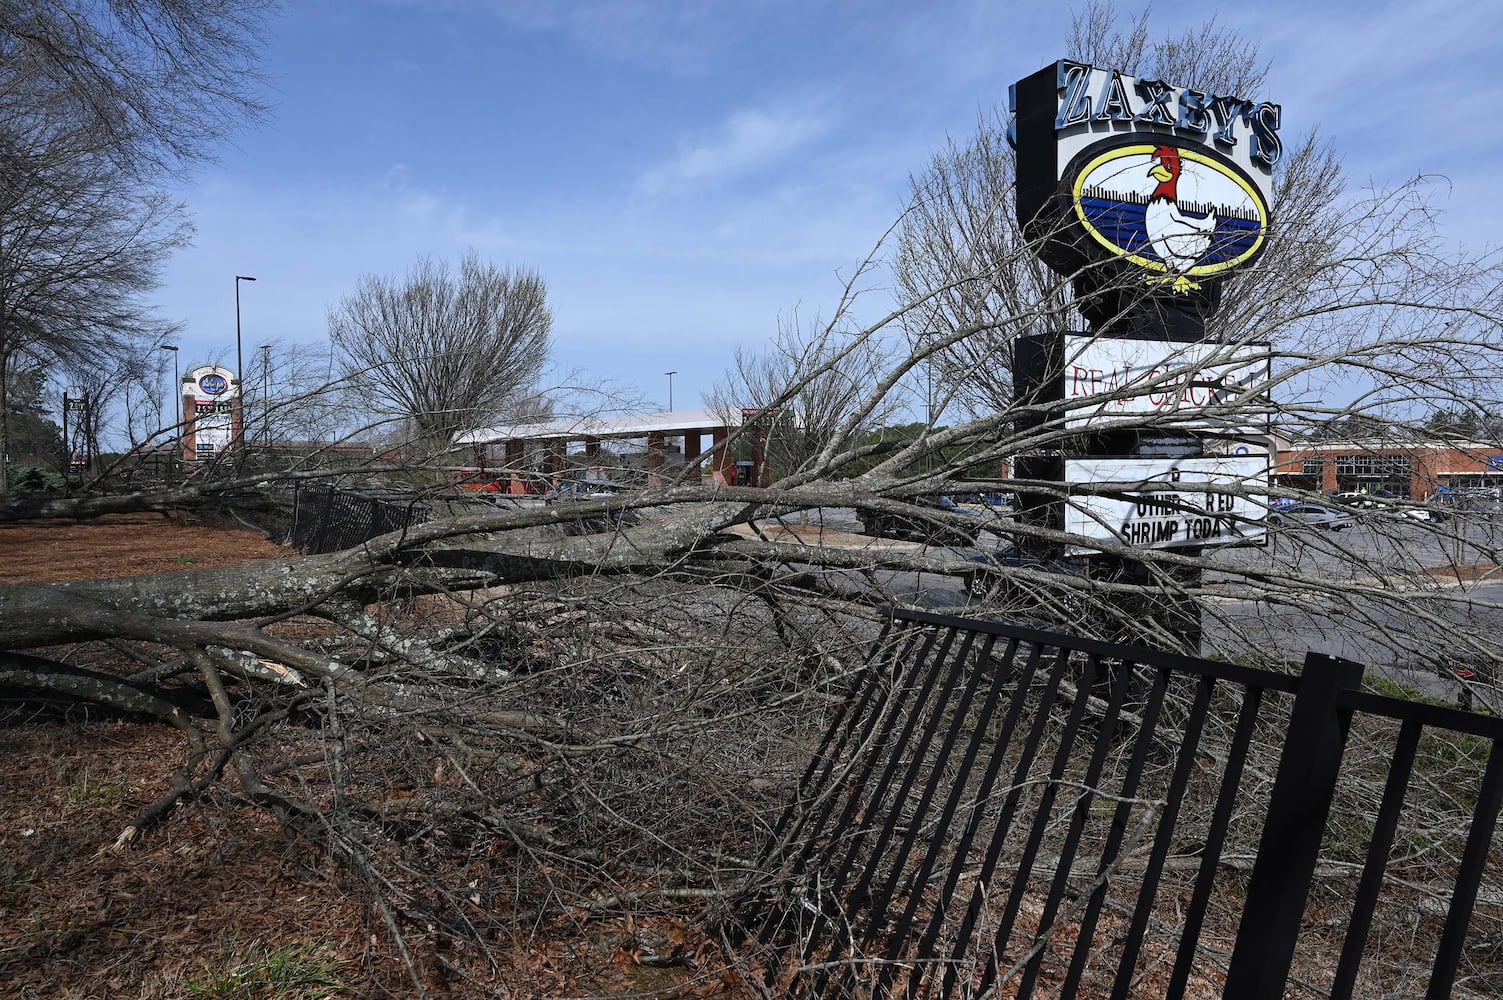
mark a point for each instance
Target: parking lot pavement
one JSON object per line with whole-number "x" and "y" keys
{"x": 1400, "y": 646}
{"x": 1374, "y": 547}
{"x": 1396, "y": 644}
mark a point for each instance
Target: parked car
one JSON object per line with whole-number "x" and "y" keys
{"x": 1311, "y": 515}
{"x": 1417, "y": 513}
{"x": 1364, "y": 499}
{"x": 916, "y": 527}
{"x": 1389, "y": 504}
{"x": 576, "y": 490}
{"x": 992, "y": 580}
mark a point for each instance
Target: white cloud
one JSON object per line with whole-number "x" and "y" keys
{"x": 748, "y": 140}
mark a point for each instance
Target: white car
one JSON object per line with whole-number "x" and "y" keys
{"x": 1310, "y": 515}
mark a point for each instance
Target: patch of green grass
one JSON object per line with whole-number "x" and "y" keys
{"x": 186, "y": 559}
{"x": 87, "y": 792}
{"x": 1459, "y": 748}
{"x": 1389, "y": 689}
{"x": 292, "y": 972}
{"x": 1347, "y": 838}
{"x": 1392, "y": 689}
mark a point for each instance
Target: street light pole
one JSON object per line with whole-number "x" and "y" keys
{"x": 240, "y": 359}
{"x": 670, "y": 389}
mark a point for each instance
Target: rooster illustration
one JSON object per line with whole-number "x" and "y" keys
{"x": 1179, "y": 240}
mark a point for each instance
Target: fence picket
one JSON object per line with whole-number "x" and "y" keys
{"x": 912, "y": 765}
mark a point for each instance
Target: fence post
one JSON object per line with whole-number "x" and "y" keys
{"x": 297, "y": 496}
{"x": 1296, "y": 821}
{"x": 322, "y": 536}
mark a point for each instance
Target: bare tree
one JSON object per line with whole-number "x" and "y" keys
{"x": 797, "y": 393}
{"x": 95, "y": 99}
{"x": 617, "y": 715}
{"x": 447, "y": 352}
{"x": 154, "y": 83}
{"x": 80, "y": 245}
{"x": 958, "y": 257}
{"x": 299, "y": 398}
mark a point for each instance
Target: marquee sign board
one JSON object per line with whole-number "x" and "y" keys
{"x": 1137, "y": 186}
{"x": 214, "y": 392}
{"x": 1217, "y": 500}
{"x": 1197, "y": 384}
{"x": 1167, "y": 386}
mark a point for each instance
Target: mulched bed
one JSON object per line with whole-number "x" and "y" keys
{"x": 125, "y": 545}
{"x": 219, "y": 901}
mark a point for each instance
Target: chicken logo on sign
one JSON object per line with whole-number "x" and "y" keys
{"x": 1178, "y": 213}
{"x": 1145, "y": 194}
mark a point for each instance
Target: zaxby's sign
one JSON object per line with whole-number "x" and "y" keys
{"x": 1140, "y": 188}
{"x": 1146, "y": 195}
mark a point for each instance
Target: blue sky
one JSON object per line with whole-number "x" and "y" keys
{"x": 684, "y": 173}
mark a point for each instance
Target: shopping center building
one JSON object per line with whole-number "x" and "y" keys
{"x": 1414, "y": 469}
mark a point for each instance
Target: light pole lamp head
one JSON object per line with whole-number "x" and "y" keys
{"x": 244, "y": 277}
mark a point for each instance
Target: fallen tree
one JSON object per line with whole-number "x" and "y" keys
{"x": 490, "y": 719}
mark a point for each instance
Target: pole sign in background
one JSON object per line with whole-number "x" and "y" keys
{"x": 1191, "y": 501}
{"x": 213, "y": 395}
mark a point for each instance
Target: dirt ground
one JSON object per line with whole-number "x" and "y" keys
{"x": 124, "y": 545}
{"x": 218, "y": 902}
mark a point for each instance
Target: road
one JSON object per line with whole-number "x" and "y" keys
{"x": 1412, "y": 631}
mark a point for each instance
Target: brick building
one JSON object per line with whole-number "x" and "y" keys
{"x": 1407, "y": 469}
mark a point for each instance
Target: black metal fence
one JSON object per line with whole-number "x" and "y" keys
{"x": 1001, "y": 809}
{"x": 326, "y": 520}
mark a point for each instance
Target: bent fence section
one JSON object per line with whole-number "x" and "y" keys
{"x": 327, "y": 520}
{"x": 1006, "y": 812}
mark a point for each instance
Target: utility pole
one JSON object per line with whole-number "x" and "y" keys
{"x": 266, "y": 395}
{"x": 239, "y": 363}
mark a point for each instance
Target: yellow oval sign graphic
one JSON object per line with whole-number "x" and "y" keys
{"x": 1171, "y": 210}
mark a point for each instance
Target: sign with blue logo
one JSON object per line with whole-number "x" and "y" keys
{"x": 214, "y": 384}
{"x": 1177, "y": 213}
{"x": 214, "y": 406}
